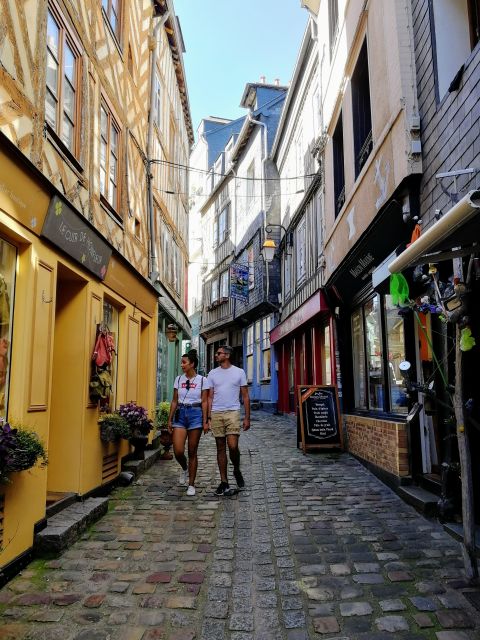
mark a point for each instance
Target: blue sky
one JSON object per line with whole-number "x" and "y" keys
{"x": 232, "y": 42}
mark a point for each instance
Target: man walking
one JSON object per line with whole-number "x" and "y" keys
{"x": 226, "y": 383}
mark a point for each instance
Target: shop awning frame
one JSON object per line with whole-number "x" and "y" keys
{"x": 450, "y": 237}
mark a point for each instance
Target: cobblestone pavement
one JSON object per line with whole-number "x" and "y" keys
{"x": 315, "y": 547}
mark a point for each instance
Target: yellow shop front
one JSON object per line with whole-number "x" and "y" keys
{"x": 59, "y": 282}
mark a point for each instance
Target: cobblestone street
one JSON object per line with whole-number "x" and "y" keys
{"x": 314, "y": 547}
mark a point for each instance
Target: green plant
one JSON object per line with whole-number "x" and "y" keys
{"x": 113, "y": 427}
{"x": 162, "y": 412}
{"x": 20, "y": 449}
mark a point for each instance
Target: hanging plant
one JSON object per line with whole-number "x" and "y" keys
{"x": 20, "y": 449}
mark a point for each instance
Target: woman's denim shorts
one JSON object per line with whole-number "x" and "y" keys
{"x": 188, "y": 418}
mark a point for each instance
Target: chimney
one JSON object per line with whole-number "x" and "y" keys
{"x": 262, "y": 79}
{"x": 276, "y": 82}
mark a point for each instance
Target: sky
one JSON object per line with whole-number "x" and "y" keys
{"x": 231, "y": 42}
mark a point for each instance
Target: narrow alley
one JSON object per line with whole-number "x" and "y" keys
{"x": 314, "y": 547}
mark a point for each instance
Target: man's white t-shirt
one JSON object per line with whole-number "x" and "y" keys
{"x": 194, "y": 393}
{"x": 226, "y": 385}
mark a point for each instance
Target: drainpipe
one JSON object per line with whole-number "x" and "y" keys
{"x": 153, "y": 271}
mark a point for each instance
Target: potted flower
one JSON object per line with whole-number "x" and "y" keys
{"x": 20, "y": 449}
{"x": 162, "y": 412}
{"x": 139, "y": 424}
{"x": 113, "y": 426}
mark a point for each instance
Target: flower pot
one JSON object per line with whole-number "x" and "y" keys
{"x": 139, "y": 443}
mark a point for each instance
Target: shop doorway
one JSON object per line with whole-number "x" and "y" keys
{"x": 69, "y": 394}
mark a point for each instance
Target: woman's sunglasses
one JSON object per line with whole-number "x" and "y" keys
{"x": 187, "y": 384}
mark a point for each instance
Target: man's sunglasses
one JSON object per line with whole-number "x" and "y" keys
{"x": 219, "y": 353}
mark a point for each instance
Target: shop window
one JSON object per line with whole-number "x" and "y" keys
{"x": 395, "y": 355}
{"x": 62, "y": 96}
{"x": 249, "y": 353}
{"x": 8, "y": 257}
{"x": 111, "y": 9}
{"x": 327, "y": 357}
{"x": 456, "y": 34}
{"x": 109, "y": 156}
{"x": 332, "y": 23}
{"x": 111, "y": 322}
{"x": 266, "y": 351}
{"x": 338, "y": 166}
{"x": 362, "y": 117}
{"x": 377, "y": 322}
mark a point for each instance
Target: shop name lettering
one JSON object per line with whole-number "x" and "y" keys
{"x": 80, "y": 237}
{"x": 363, "y": 263}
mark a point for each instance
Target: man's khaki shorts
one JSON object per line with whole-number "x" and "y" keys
{"x": 225, "y": 423}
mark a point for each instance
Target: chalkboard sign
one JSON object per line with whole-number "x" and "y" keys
{"x": 318, "y": 417}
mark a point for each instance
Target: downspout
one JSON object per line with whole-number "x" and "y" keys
{"x": 153, "y": 271}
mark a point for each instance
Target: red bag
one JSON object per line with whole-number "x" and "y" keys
{"x": 104, "y": 348}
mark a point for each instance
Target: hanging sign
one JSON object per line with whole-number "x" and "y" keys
{"x": 70, "y": 232}
{"x": 318, "y": 417}
{"x": 239, "y": 282}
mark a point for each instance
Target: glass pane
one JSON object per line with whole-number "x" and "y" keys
{"x": 50, "y": 109}
{"x": 249, "y": 368}
{"x": 267, "y": 373}
{"x": 113, "y": 169}
{"x": 8, "y": 256}
{"x": 103, "y": 155}
{"x": 112, "y": 194}
{"x": 105, "y": 5}
{"x": 374, "y": 354}
{"x": 396, "y": 354}
{"x": 53, "y": 35}
{"x": 69, "y": 63}
{"x": 69, "y": 100}
{"x": 103, "y": 180}
{"x": 67, "y": 132}
{"x": 52, "y": 73}
{"x": 104, "y": 123}
{"x": 113, "y": 22}
{"x": 327, "y": 357}
{"x": 358, "y": 360}
{"x": 113, "y": 140}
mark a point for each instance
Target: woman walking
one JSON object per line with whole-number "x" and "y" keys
{"x": 188, "y": 415}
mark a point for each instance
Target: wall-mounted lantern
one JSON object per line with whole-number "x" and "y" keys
{"x": 171, "y": 332}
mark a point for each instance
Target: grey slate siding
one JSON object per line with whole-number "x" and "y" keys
{"x": 450, "y": 128}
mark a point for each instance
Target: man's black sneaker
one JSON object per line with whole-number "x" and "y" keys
{"x": 239, "y": 478}
{"x": 223, "y": 489}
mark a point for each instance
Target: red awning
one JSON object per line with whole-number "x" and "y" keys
{"x": 314, "y": 305}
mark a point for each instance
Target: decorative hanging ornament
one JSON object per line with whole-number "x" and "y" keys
{"x": 399, "y": 289}
{"x": 467, "y": 341}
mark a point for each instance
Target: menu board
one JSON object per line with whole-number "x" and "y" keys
{"x": 318, "y": 417}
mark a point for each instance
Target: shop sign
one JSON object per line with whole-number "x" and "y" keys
{"x": 310, "y": 308}
{"x": 318, "y": 416}
{"x": 67, "y": 230}
{"x": 239, "y": 282}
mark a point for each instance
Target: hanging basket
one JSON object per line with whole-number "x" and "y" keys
{"x": 171, "y": 332}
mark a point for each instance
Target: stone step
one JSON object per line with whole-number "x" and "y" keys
{"x": 66, "y": 527}
{"x": 421, "y": 499}
{"x": 137, "y": 467}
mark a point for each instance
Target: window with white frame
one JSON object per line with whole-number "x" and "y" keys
{"x": 222, "y": 225}
{"x": 456, "y": 34}
{"x": 224, "y": 281}
{"x": 300, "y": 250}
{"x": 249, "y": 353}
{"x": 251, "y": 268}
{"x": 214, "y": 296}
{"x": 109, "y": 157}
{"x": 266, "y": 351}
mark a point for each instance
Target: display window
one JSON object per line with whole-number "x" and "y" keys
{"x": 8, "y": 260}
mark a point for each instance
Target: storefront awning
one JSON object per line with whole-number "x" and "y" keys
{"x": 457, "y": 233}
{"x": 314, "y": 305}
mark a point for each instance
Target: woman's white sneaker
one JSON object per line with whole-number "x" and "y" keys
{"x": 183, "y": 477}
{"x": 191, "y": 491}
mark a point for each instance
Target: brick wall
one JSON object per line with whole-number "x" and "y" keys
{"x": 451, "y": 127}
{"x": 380, "y": 442}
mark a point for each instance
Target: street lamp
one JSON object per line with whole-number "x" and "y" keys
{"x": 269, "y": 247}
